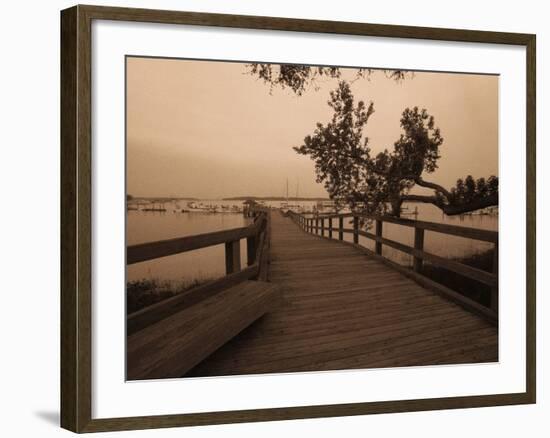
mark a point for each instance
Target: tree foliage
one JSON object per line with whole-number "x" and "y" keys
{"x": 379, "y": 184}
{"x": 298, "y": 78}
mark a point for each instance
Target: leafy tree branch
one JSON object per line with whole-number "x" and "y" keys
{"x": 299, "y": 78}
{"x": 380, "y": 184}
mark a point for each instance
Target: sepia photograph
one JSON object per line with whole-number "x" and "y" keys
{"x": 285, "y": 218}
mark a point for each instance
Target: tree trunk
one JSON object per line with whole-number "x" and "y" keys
{"x": 396, "y": 206}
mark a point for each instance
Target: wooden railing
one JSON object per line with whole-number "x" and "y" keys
{"x": 333, "y": 224}
{"x": 257, "y": 235}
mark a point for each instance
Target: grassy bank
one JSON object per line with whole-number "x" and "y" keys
{"x": 143, "y": 293}
{"x": 472, "y": 289}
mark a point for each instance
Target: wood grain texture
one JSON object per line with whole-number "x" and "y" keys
{"x": 76, "y": 224}
{"x": 455, "y": 230}
{"x": 152, "y": 250}
{"x": 531, "y": 215}
{"x": 438, "y": 288}
{"x": 172, "y": 346}
{"x": 76, "y": 329}
{"x": 488, "y": 278}
{"x": 342, "y": 309}
{"x": 151, "y": 314}
{"x": 69, "y": 252}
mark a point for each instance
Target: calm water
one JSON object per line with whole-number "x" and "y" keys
{"x": 436, "y": 243}
{"x": 204, "y": 263}
{"x": 207, "y": 263}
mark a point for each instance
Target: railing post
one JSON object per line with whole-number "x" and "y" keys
{"x": 323, "y": 227}
{"x": 250, "y": 250}
{"x": 378, "y": 245}
{"x": 330, "y": 228}
{"x": 232, "y": 256}
{"x": 494, "y": 289}
{"x": 355, "y": 229}
{"x": 316, "y": 225}
{"x": 341, "y": 228}
{"x": 418, "y": 246}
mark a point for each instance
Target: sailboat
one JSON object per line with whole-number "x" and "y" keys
{"x": 297, "y": 208}
{"x": 284, "y": 205}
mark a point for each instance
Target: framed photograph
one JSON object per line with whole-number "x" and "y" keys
{"x": 269, "y": 218}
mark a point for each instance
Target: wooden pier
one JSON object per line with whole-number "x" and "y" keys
{"x": 339, "y": 306}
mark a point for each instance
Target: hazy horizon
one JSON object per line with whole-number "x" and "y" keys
{"x": 209, "y": 130}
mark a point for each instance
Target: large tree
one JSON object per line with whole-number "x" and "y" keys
{"x": 380, "y": 184}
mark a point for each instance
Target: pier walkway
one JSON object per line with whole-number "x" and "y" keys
{"x": 343, "y": 308}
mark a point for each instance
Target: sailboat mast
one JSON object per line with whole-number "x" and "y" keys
{"x": 287, "y": 190}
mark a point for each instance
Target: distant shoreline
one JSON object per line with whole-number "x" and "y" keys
{"x": 272, "y": 198}
{"x": 234, "y": 198}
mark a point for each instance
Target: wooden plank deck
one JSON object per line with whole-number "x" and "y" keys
{"x": 172, "y": 346}
{"x": 341, "y": 309}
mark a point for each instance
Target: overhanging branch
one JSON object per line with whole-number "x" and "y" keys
{"x": 422, "y": 198}
{"x": 454, "y": 209}
{"x": 433, "y": 186}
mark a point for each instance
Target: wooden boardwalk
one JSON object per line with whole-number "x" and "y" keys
{"x": 342, "y": 309}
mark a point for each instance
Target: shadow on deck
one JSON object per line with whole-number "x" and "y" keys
{"x": 343, "y": 309}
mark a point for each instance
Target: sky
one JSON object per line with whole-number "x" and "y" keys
{"x": 207, "y": 129}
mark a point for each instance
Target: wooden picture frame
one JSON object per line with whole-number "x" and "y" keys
{"x": 76, "y": 217}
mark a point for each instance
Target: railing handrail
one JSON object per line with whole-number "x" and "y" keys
{"x": 456, "y": 230}
{"x": 257, "y": 237}
{"x": 152, "y": 250}
{"x": 316, "y": 225}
